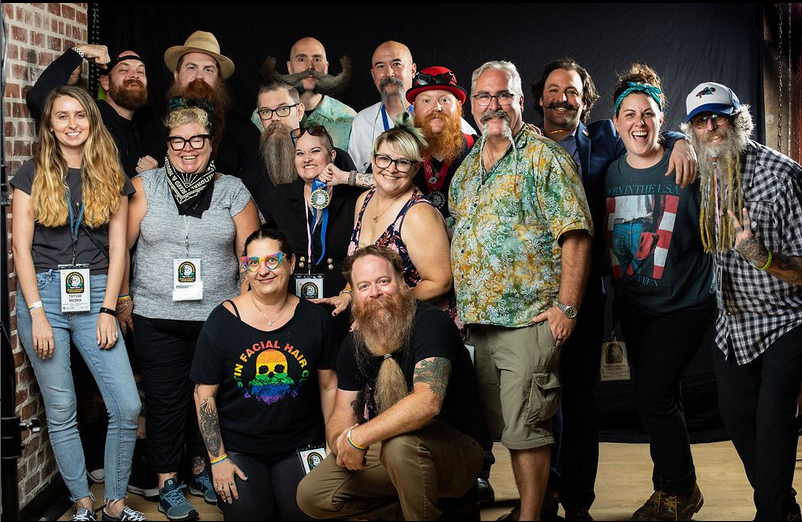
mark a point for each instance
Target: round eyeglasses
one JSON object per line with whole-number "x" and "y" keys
{"x": 402, "y": 165}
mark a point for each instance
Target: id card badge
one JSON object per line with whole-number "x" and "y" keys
{"x": 309, "y": 286}
{"x": 74, "y": 280}
{"x": 614, "y": 361}
{"x": 187, "y": 283}
{"x": 311, "y": 457}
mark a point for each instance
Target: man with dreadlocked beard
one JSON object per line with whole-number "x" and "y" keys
{"x": 400, "y": 435}
{"x": 750, "y": 221}
{"x": 308, "y": 72}
{"x": 199, "y": 73}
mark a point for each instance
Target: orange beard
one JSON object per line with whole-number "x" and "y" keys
{"x": 447, "y": 144}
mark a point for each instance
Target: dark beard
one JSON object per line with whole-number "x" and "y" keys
{"x": 448, "y": 143}
{"x": 278, "y": 153}
{"x": 324, "y": 83}
{"x": 130, "y": 94}
{"x": 217, "y": 98}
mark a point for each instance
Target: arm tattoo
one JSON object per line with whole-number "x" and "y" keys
{"x": 435, "y": 372}
{"x": 365, "y": 180}
{"x": 209, "y": 424}
{"x": 787, "y": 268}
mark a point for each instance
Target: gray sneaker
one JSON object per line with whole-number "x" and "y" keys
{"x": 173, "y": 503}
{"x": 127, "y": 514}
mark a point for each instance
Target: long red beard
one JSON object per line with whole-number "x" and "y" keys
{"x": 446, "y": 144}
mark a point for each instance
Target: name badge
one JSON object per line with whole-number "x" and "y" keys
{"x": 614, "y": 362}
{"x": 75, "y": 296}
{"x": 311, "y": 457}
{"x": 309, "y": 286}
{"x": 187, "y": 283}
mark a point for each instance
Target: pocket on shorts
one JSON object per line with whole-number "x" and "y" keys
{"x": 544, "y": 397}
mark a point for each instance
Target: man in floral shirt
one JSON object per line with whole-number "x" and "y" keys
{"x": 520, "y": 257}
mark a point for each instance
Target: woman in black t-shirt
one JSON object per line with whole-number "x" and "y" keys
{"x": 265, "y": 382}
{"x": 70, "y": 210}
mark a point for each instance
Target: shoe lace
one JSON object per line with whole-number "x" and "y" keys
{"x": 671, "y": 502}
{"x": 130, "y": 514}
{"x": 83, "y": 515}
{"x": 204, "y": 480}
{"x": 656, "y": 498}
{"x": 175, "y": 497}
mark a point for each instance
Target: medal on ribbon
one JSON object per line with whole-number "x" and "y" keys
{"x": 319, "y": 198}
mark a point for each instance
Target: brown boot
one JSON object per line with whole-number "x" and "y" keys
{"x": 671, "y": 507}
{"x": 651, "y": 508}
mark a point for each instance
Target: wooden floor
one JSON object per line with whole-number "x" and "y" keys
{"x": 623, "y": 485}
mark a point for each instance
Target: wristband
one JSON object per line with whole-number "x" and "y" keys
{"x": 352, "y": 178}
{"x": 35, "y": 304}
{"x": 347, "y": 291}
{"x": 766, "y": 266}
{"x": 104, "y": 310}
{"x": 219, "y": 459}
{"x": 79, "y": 52}
{"x": 352, "y": 443}
{"x": 124, "y": 297}
{"x": 121, "y": 306}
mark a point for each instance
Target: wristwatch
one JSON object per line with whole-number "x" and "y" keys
{"x": 569, "y": 311}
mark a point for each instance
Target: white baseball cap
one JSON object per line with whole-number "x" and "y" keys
{"x": 710, "y": 97}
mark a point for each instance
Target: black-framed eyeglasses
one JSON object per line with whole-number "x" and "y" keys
{"x": 700, "y": 120}
{"x": 436, "y": 79}
{"x": 197, "y": 141}
{"x": 503, "y": 98}
{"x": 282, "y": 111}
{"x": 271, "y": 261}
{"x": 402, "y": 165}
{"x": 312, "y": 130}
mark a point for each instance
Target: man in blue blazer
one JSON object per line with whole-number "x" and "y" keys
{"x": 566, "y": 93}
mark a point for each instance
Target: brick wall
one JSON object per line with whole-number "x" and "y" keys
{"x": 38, "y": 33}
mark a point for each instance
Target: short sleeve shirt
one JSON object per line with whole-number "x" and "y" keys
{"x": 505, "y": 254}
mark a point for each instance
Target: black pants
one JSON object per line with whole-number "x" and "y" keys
{"x": 660, "y": 347}
{"x": 269, "y": 493}
{"x": 577, "y": 450}
{"x": 165, "y": 349}
{"x": 758, "y": 404}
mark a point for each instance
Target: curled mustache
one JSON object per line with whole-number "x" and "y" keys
{"x": 489, "y": 115}
{"x": 391, "y": 80}
{"x": 562, "y": 105}
{"x": 324, "y": 83}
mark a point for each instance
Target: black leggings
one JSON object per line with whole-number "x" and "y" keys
{"x": 269, "y": 492}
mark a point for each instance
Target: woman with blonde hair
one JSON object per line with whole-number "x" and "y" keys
{"x": 70, "y": 207}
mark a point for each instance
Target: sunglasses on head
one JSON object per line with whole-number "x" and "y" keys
{"x": 312, "y": 130}
{"x": 435, "y": 79}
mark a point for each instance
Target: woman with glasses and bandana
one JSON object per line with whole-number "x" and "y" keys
{"x": 265, "y": 377}
{"x": 664, "y": 293}
{"x": 189, "y": 224}
{"x": 318, "y": 219}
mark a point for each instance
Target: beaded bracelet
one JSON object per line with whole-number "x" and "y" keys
{"x": 352, "y": 443}
{"x": 219, "y": 459}
{"x": 352, "y": 178}
{"x": 766, "y": 266}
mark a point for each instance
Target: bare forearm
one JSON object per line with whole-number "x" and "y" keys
{"x": 576, "y": 253}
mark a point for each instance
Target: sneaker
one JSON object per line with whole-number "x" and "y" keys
{"x": 577, "y": 514}
{"x": 148, "y": 493}
{"x": 97, "y": 475}
{"x": 661, "y": 506}
{"x": 84, "y": 515}
{"x": 486, "y": 494}
{"x": 201, "y": 486}
{"x": 173, "y": 503}
{"x": 126, "y": 514}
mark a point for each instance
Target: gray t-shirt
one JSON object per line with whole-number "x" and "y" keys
{"x": 52, "y": 246}
{"x": 162, "y": 239}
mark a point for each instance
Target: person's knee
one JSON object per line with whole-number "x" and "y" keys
{"x": 311, "y": 499}
{"x": 62, "y": 412}
{"x": 127, "y": 410}
{"x": 397, "y": 451}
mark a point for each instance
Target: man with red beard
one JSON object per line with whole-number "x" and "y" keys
{"x": 135, "y": 127}
{"x": 400, "y": 433}
{"x": 199, "y": 72}
{"x": 437, "y": 102}
{"x": 750, "y": 221}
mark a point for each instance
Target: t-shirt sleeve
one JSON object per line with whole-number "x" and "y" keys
{"x": 435, "y": 336}
{"x": 347, "y": 378}
{"x": 207, "y": 363}
{"x": 128, "y": 187}
{"x": 239, "y": 195}
{"x": 23, "y": 179}
{"x": 329, "y": 351}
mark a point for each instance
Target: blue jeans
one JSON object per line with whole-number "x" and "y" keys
{"x": 111, "y": 371}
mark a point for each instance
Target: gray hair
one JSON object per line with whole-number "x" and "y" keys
{"x": 499, "y": 65}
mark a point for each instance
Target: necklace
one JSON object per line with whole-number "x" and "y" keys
{"x": 377, "y": 216}
{"x": 269, "y": 322}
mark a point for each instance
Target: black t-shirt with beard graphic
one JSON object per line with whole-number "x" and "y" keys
{"x": 434, "y": 334}
{"x": 268, "y": 401}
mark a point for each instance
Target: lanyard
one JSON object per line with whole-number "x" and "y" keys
{"x": 317, "y": 184}
{"x": 434, "y": 179}
{"x": 74, "y": 226}
{"x": 386, "y": 120}
{"x": 186, "y": 233}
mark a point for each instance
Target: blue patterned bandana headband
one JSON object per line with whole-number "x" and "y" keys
{"x": 651, "y": 90}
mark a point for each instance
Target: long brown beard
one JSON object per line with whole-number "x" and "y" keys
{"x": 447, "y": 144}
{"x": 130, "y": 94}
{"x": 217, "y": 97}
{"x": 722, "y": 193}
{"x": 383, "y": 326}
{"x": 278, "y": 153}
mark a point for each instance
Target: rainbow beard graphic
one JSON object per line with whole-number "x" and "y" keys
{"x": 271, "y": 382}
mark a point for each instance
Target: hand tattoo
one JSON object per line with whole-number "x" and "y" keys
{"x": 752, "y": 250}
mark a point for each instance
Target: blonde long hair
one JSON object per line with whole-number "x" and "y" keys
{"x": 102, "y": 177}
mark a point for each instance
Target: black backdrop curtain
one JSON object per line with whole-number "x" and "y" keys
{"x": 685, "y": 43}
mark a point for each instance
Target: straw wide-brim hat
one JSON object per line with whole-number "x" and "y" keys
{"x": 199, "y": 42}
